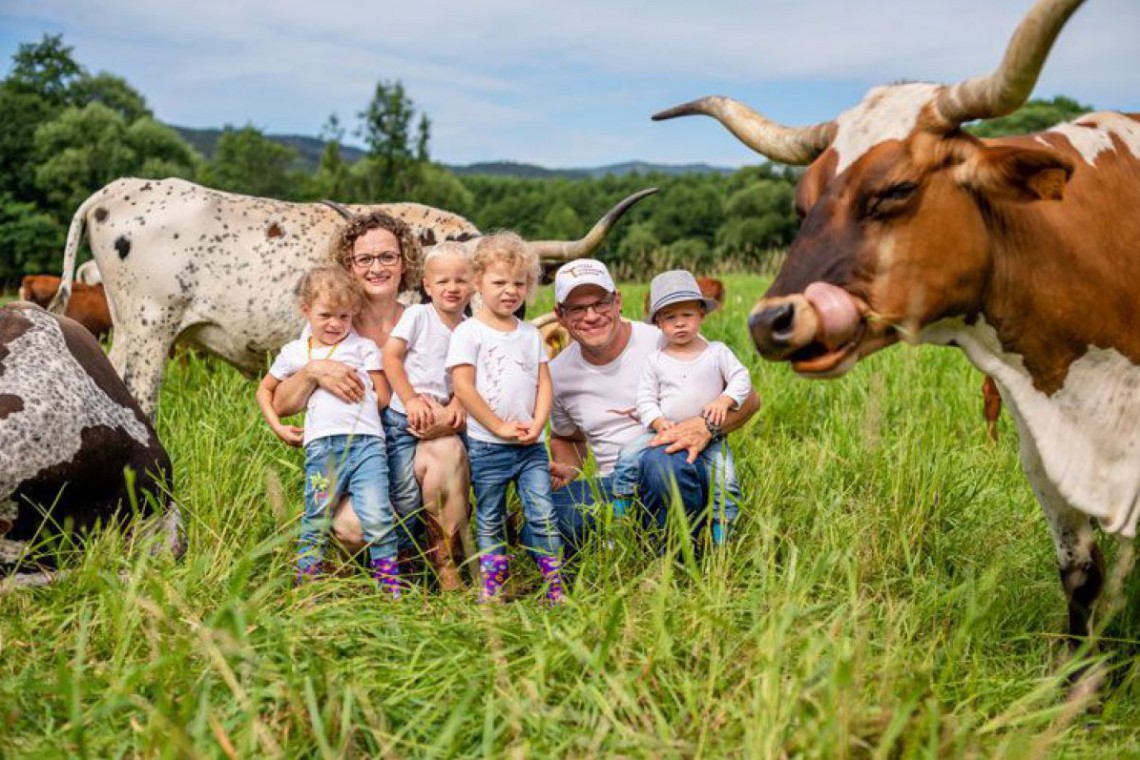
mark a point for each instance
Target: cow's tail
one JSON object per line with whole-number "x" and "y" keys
{"x": 70, "y": 252}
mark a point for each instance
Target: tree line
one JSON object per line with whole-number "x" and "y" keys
{"x": 67, "y": 132}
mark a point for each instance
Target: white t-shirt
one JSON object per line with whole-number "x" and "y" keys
{"x": 425, "y": 360}
{"x": 677, "y": 389}
{"x": 600, "y": 401}
{"x": 506, "y": 370}
{"x": 325, "y": 414}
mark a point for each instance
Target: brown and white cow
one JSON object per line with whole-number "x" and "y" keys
{"x": 179, "y": 260}
{"x": 1022, "y": 251}
{"x": 69, "y": 430}
{"x": 87, "y": 305}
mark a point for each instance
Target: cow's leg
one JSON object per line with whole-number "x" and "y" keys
{"x": 1079, "y": 559}
{"x": 138, "y": 354}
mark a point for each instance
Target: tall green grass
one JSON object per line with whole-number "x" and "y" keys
{"x": 891, "y": 592}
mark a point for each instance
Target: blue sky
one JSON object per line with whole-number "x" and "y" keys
{"x": 561, "y": 84}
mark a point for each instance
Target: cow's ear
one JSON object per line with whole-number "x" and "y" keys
{"x": 1025, "y": 174}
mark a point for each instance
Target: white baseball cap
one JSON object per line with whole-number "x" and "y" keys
{"x": 581, "y": 272}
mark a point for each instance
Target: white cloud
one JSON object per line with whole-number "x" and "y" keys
{"x": 559, "y": 83}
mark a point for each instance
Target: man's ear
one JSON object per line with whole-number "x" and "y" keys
{"x": 1022, "y": 174}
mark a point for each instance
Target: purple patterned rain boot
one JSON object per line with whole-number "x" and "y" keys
{"x": 551, "y": 568}
{"x": 495, "y": 569}
{"x": 307, "y": 573}
{"x": 386, "y": 572}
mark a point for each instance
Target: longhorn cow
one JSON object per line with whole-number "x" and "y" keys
{"x": 1022, "y": 251}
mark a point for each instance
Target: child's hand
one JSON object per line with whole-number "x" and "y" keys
{"x": 716, "y": 411}
{"x": 529, "y": 432}
{"x": 456, "y": 415}
{"x": 661, "y": 424}
{"x": 508, "y": 431}
{"x": 289, "y": 434}
{"x": 420, "y": 414}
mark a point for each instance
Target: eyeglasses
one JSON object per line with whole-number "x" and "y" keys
{"x": 366, "y": 260}
{"x": 601, "y": 307}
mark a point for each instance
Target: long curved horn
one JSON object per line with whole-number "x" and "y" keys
{"x": 567, "y": 250}
{"x": 1009, "y": 86}
{"x": 342, "y": 210}
{"x": 788, "y": 145}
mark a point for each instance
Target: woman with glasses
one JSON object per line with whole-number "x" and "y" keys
{"x": 385, "y": 258}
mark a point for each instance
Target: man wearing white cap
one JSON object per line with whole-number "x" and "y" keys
{"x": 595, "y": 406}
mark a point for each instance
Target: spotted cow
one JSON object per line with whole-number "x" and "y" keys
{"x": 1021, "y": 251}
{"x": 69, "y": 432}
{"x": 218, "y": 269}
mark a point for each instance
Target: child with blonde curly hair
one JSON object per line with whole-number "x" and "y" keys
{"x": 344, "y": 442}
{"x": 499, "y": 373}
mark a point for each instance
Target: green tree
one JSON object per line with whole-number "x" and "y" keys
{"x": 333, "y": 179}
{"x": 393, "y": 168}
{"x": 1034, "y": 116}
{"x": 46, "y": 69}
{"x": 111, "y": 91}
{"x": 248, "y": 162}
{"x": 29, "y": 240}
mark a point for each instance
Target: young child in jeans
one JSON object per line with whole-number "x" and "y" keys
{"x": 344, "y": 443}
{"x": 415, "y": 359}
{"x": 688, "y": 377}
{"x": 499, "y": 373}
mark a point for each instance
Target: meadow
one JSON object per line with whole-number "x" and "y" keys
{"x": 891, "y": 592}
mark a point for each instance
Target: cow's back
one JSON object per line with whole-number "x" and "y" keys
{"x": 68, "y": 428}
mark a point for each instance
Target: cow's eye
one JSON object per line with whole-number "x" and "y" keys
{"x": 891, "y": 200}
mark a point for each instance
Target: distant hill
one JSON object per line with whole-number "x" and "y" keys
{"x": 309, "y": 151}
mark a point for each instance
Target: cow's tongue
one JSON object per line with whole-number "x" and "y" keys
{"x": 838, "y": 315}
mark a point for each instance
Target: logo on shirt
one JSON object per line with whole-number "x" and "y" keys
{"x": 631, "y": 413}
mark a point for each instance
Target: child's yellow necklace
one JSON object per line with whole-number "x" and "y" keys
{"x": 327, "y": 356}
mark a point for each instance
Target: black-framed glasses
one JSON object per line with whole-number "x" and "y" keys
{"x": 366, "y": 260}
{"x": 601, "y": 307}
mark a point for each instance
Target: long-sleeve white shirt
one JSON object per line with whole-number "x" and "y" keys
{"x": 677, "y": 389}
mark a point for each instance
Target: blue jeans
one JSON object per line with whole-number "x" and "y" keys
{"x": 402, "y": 484}
{"x": 716, "y": 474}
{"x": 572, "y": 505}
{"x": 342, "y": 465}
{"x": 494, "y": 467}
{"x": 626, "y": 472}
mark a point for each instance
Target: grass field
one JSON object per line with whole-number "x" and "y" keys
{"x": 891, "y": 592}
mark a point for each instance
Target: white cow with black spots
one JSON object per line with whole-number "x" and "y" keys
{"x": 179, "y": 260}
{"x": 68, "y": 432}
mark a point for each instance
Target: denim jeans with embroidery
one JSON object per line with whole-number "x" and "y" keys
{"x": 493, "y": 468}
{"x": 346, "y": 465}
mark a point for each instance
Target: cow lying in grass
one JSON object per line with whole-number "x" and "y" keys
{"x": 69, "y": 435}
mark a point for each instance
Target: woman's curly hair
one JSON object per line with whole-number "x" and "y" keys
{"x": 410, "y": 249}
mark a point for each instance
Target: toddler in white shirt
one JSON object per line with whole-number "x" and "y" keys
{"x": 689, "y": 377}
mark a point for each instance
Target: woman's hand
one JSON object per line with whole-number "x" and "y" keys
{"x": 289, "y": 434}
{"x": 337, "y": 378}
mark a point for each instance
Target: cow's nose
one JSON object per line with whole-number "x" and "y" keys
{"x": 772, "y": 328}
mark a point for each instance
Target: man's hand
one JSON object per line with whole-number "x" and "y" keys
{"x": 561, "y": 474}
{"x": 691, "y": 435}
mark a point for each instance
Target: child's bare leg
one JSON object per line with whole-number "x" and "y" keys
{"x": 346, "y": 527}
{"x": 441, "y": 468}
